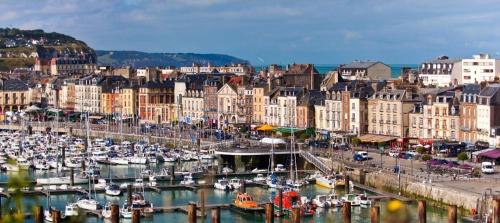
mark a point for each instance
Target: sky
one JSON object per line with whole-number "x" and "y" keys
{"x": 273, "y": 31}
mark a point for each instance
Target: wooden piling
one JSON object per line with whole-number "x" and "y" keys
{"x": 115, "y": 213}
{"x": 56, "y": 216}
{"x": 72, "y": 177}
{"x": 216, "y": 215}
{"x": 295, "y": 214}
{"x": 136, "y": 216}
{"x": 347, "y": 182}
{"x": 422, "y": 211}
{"x": 496, "y": 210}
{"x": 452, "y": 214}
{"x": 269, "y": 213}
{"x": 63, "y": 163}
{"x": 243, "y": 188}
{"x": 346, "y": 212}
{"x": 83, "y": 165}
{"x": 129, "y": 195}
{"x": 280, "y": 196}
{"x": 202, "y": 202}
{"x": 191, "y": 213}
{"x": 39, "y": 218}
{"x": 375, "y": 214}
{"x": 172, "y": 174}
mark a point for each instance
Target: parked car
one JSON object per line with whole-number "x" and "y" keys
{"x": 361, "y": 155}
{"x": 487, "y": 168}
{"x": 393, "y": 153}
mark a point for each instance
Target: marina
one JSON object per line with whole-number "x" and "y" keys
{"x": 166, "y": 196}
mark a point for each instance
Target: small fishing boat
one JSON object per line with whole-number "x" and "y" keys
{"x": 246, "y": 203}
{"x": 106, "y": 211}
{"x": 259, "y": 178}
{"x": 188, "y": 180}
{"x": 71, "y": 210}
{"x": 113, "y": 190}
{"x": 352, "y": 198}
{"x": 321, "y": 201}
{"x": 292, "y": 199}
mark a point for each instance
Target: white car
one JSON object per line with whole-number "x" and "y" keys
{"x": 363, "y": 154}
{"x": 393, "y": 153}
{"x": 487, "y": 167}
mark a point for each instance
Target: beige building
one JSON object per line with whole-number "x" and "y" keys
{"x": 258, "y": 103}
{"x": 388, "y": 112}
{"x": 227, "y": 97}
{"x": 14, "y": 95}
{"x": 193, "y": 106}
{"x": 128, "y": 100}
{"x": 438, "y": 117}
{"x": 68, "y": 95}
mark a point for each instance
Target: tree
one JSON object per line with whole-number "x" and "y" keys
{"x": 462, "y": 156}
{"x": 421, "y": 150}
{"x": 356, "y": 141}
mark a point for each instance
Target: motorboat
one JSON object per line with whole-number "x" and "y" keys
{"x": 363, "y": 200}
{"x": 106, "y": 211}
{"x": 41, "y": 165}
{"x": 126, "y": 211}
{"x": 223, "y": 184}
{"x": 227, "y": 170}
{"x": 235, "y": 183}
{"x": 119, "y": 161}
{"x": 139, "y": 182}
{"x": 291, "y": 199}
{"x": 280, "y": 168}
{"x": 88, "y": 204}
{"x": 71, "y": 210}
{"x": 352, "y": 198}
{"x": 101, "y": 184}
{"x": 61, "y": 180}
{"x": 321, "y": 201}
{"x": 259, "y": 178}
{"x": 113, "y": 190}
{"x": 138, "y": 160}
{"x": 333, "y": 200}
{"x": 24, "y": 163}
{"x": 328, "y": 182}
{"x": 188, "y": 180}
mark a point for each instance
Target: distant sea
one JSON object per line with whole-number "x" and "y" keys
{"x": 324, "y": 68}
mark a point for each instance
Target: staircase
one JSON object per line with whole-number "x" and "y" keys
{"x": 311, "y": 158}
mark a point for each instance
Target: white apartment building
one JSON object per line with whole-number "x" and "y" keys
{"x": 479, "y": 68}
{"x": 444, "y": 72}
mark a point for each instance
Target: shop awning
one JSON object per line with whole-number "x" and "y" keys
{"x": 376, "y": 138}
{"x": 265, "y": 128}
{"x": 96, "y": 117}
{"x": 287, "y": 130}
{"x": 492, "y": 154}
{"x": 272, "y": 141}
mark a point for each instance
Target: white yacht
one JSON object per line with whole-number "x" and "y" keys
{"x": 321, "y": 201}
{"x": 113, "y": 190}
{"x": 101, "y": 184}
{"x": 71, "y": 210}
{"x": 259, "y": 178}
{"x": 119, "y": 161}
{"x": 106, "y": 211}
{"x": 235, "y": 183}
{"x": 138, "y": 160}
{"x": 88, "y": 204}
{"x": 223, "y": 184}
{"x": 188, "y": 180}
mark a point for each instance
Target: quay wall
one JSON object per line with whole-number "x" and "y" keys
{"x": 412, "y": 188}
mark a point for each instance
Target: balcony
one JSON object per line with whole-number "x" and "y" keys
{"x": 381, "y": 121}
{"x": 388, "y": 121}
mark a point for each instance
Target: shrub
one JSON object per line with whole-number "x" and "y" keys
{"x": 462, "y": 156}
{"x": 426, "y": 157}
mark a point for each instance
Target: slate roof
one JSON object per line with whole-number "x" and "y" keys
{"x": 14, "y": 85}
{"x": 360, "y": 64}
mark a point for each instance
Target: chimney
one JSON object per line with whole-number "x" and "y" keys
{"x": 312, "y": 77}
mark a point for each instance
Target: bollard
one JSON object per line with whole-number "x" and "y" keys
{"x": 202, "y": 202}
{"x": 72, "y": 177}
{"x": 375, "y": 214}
{"x": 216, "y": 215}
{"x": 452, "y": 214}
{"x": 269, "y": 213}
{"x": 115, "y": 213}
{"x": 191, "y": 213}
{"x": 136, "y": 216}
{"x": 56, "y": 216}
{"x": 347, "y": 182}
{"x": 280, "y": 196}
{"x": 346, "y": 212}
{"x": 39, "y": 218}
{"x": 496, "y": 210}
{"x": 422, "y": 211}
{"x": 296, "y": 214}
{"x": 129, "y": 195}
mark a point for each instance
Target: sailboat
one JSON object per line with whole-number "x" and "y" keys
{"x": 47, "y": 214}
{"x": 272, "y": 179}
{"x": 112, "y": 189}
{"x": 88, "y": 203}
{"x": 293, "y": 181}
